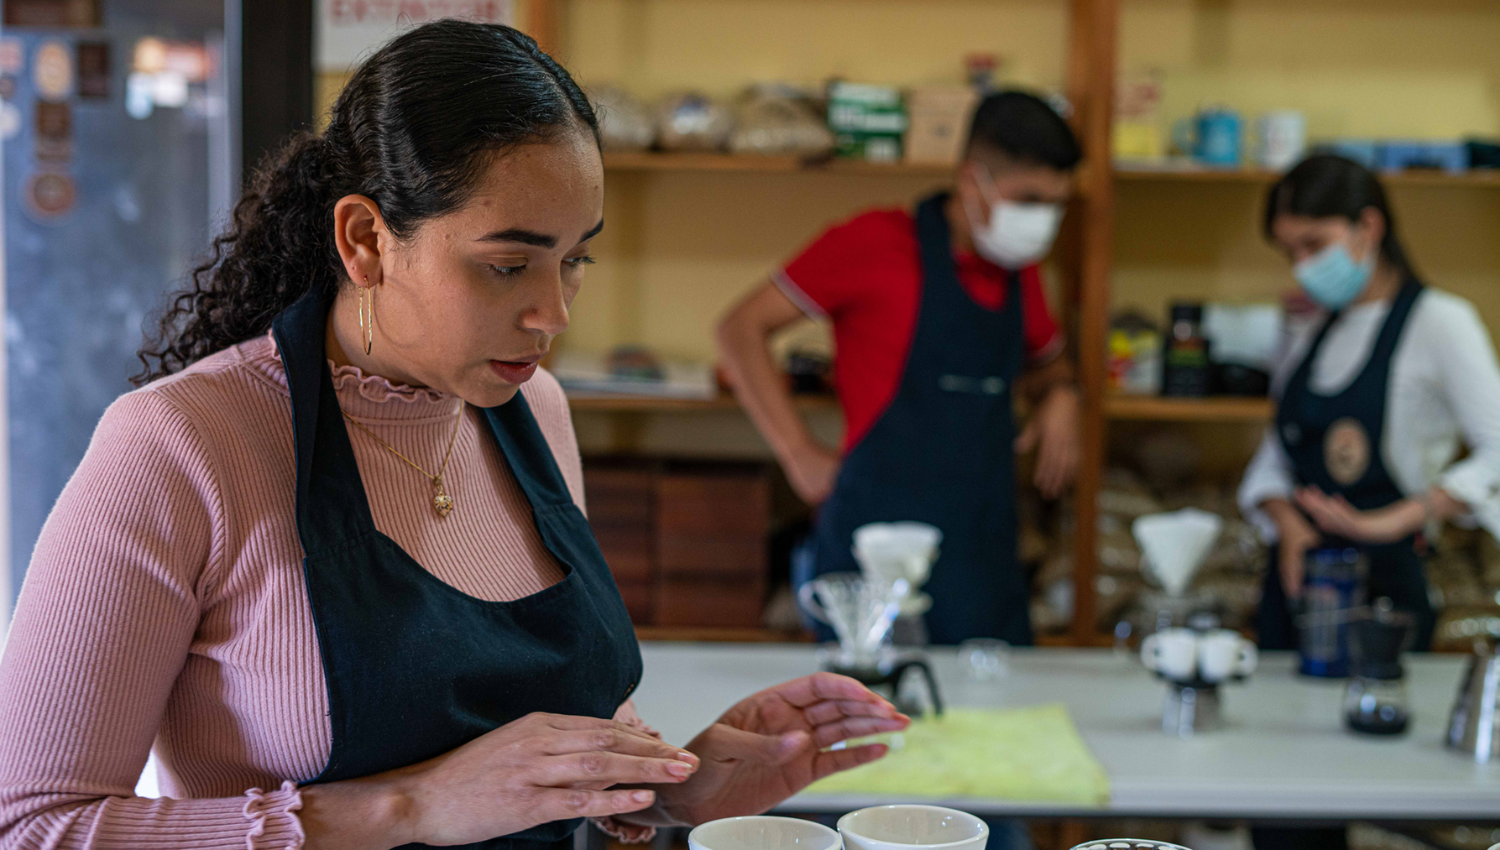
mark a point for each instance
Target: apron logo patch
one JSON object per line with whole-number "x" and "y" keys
{"x": 979, "y": 386}
{"x": 1346, "y": 451}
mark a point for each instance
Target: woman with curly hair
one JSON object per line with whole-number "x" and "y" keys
{"x": 334, "y": 546}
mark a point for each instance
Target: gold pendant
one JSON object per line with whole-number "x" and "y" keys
{"x": 442, "y": 501}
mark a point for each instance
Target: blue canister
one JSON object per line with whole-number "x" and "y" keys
{"x": 1220, "y": 137}
{"x": 1215, "y": 136}
{"x": 1333, "y": 588}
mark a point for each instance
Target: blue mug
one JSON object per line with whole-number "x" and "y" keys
{"x": 1214, "y": 137}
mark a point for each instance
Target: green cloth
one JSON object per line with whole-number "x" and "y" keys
{"x": 1033, "y": 754}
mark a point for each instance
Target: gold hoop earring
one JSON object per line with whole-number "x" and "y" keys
{"x": 367, "y": 315}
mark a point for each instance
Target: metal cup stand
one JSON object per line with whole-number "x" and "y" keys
{"x": 887, "y": 675}
{"x": 1191, "y": 706}
{"x": 1128, "y": 844}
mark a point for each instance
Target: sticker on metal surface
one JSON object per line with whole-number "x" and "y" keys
{"x": 12, "y": 55}
{"x": 52, "y": 71}
{"x": 93, "y": 70}
{"x": 10, "y": 121}
{"x": 50, "y": 195}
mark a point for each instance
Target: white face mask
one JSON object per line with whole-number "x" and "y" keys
{"x": 1017, "y": 234}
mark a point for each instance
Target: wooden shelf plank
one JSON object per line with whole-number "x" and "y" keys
{"x": 1213, "y": 409}
{"x": 652, "y": 404}
{"x": 699, "y": 634}
{"x": 646, "y": 161}
{"x": 744, "y": 162}
{"x": 1194, "y": 174}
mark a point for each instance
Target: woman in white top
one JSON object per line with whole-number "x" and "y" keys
{"x": 1374, "y": 395}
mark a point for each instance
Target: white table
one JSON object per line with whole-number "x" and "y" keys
{"x": 1283, "y": 756}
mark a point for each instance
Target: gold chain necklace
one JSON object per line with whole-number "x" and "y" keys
{"x": 441, "y": 501}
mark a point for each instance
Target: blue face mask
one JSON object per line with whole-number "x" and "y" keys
{"x": 1332, "y": 278}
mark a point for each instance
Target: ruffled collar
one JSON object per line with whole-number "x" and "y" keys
{"x": 360, "y": 395}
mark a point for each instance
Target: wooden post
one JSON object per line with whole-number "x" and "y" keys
{"x": 1091, "y": 68}
{"x": 540, "y": 20}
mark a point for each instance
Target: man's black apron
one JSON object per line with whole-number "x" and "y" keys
{"x": 415, "y": 667}
{"x": 943, "y": 453}
{"x": 1335, "y": 444}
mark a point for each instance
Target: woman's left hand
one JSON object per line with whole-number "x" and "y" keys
{"x": 771, "y": 745}
{"x": 1334, "y": 515}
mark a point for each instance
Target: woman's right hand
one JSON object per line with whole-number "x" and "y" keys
{"x": 1297, "y": 535}
{"x": 812, "y": 470}
{"x": 541, "y": 768}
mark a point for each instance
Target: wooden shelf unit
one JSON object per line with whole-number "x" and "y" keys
{"x": 1085, "y": 258}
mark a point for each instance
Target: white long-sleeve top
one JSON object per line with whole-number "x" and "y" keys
{"x": 1444, "y": 387}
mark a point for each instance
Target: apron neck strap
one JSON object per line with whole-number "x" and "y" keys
{"x": 526, "y": 451}
{"x": 331, "y": 505}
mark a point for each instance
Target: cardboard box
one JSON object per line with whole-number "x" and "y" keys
{"x": 938, "y": 123}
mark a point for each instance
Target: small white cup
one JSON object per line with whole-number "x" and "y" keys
{"x": 1172, "y": 653}
{"x": 906, "y": 827}
{"x": 762, "y": 832}
{"x": 1224, "y": 654}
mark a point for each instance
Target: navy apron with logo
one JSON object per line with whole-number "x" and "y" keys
{"x": 943, "y": 453}
{"x": 415, "y": 667}
{"x": 1357, "y": 414}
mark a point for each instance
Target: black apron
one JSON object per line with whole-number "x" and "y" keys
{"x": 415, "y": 667}
{"x": 943, "y": 453}
{"x": 1356, "y": 416}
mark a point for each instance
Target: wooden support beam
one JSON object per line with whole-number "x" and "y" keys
{"x": 541, "y": 19}
{"x": 1091, "y": 84}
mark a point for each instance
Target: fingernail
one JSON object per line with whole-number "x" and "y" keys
{"x": 679, "y": 769}
{"x": 687, "y": 757}
{"x": 641, "y": 796}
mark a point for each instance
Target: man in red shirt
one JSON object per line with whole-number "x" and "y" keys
{"x": 936, "y": 315}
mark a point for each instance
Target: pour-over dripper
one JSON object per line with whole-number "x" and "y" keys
{"x": 1174, "y": 544}
{"x": 892, "y": 550}
{"x": 860, "y": 611}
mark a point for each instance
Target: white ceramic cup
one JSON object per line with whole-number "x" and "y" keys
{"x": 1172, "y": 653}
{"x": 762, "y": 832}
{"x": 1224, "y": 654}
{"x": 1283, "y": 139}
{"x": 906, "y": 827}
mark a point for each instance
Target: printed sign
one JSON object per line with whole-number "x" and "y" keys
{"x": 349, "y": 30}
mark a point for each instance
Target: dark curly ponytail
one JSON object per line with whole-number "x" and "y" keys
{"x": 413, "y": 130}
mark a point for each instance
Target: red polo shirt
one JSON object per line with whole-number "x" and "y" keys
{"x": 865, "y": 276}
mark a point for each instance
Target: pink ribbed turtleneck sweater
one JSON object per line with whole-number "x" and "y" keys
{"x": 165, "y": 603}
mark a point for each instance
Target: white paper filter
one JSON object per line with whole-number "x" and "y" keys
{"x": 1175, "y": 544}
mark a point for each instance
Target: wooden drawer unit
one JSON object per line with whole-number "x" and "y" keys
{"x": 712, "y": 527}
{"x": 687, "y": 543}
{"x": 620, "y": 504}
